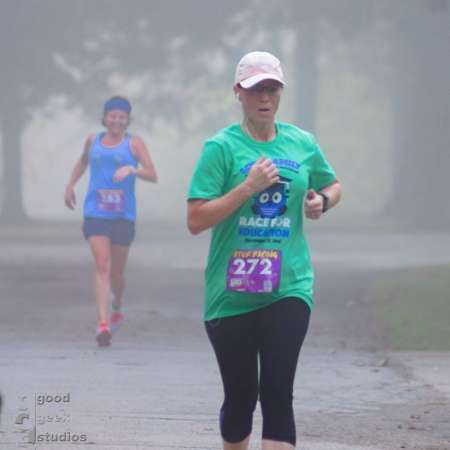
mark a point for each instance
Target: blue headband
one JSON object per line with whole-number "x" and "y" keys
{"x": 117, "y": 103}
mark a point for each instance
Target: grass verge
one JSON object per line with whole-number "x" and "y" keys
{"x": 413, "y": 307}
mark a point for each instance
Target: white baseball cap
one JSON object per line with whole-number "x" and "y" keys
{"x": 258, "y": 66}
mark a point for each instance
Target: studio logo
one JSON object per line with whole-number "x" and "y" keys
{"x": 48, "y": 420}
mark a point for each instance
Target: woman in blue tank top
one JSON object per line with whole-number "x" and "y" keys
{"x": 115, "y": 159}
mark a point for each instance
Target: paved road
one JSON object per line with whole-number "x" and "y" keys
{"x": 158, "y": 386}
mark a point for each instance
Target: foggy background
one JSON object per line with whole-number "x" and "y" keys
{"x": 369, "y": 78}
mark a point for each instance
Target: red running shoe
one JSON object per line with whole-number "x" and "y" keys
{"x": 117, "y": 319}
{"x": 103, "y": 335}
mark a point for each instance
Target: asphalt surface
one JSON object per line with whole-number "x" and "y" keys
{"x": 158, "y": 386}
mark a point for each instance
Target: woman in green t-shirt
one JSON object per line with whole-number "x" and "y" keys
{"x": 252, "y": 185}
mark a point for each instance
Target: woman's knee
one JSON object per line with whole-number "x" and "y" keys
{"x": 102, "y": 266}
{"x": 117, "y": 277}
{"x": 275, "y": 398}
{"x": 236, "y": 418}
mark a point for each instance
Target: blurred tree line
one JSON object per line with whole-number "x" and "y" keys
{"x": 51, "y": 47}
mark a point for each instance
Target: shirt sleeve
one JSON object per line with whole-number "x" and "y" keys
{"x": 322, "y": 174}
{"x": 209, "y": 175}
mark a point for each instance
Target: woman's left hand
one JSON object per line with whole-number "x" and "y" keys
{"x": 123, "y": 172}
{"x": 313, "y": 205}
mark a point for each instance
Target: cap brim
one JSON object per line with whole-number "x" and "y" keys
{"x": 249, "y": 82}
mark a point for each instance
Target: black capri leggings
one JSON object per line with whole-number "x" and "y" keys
{"x": 274, "y": 333}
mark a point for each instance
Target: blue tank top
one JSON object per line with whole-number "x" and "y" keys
{"x": 106, "y": 199}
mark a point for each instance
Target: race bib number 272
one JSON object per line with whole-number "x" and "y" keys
{"x": 254, "y": 271}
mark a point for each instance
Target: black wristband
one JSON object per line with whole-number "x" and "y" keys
{"x": 325, "y": 203}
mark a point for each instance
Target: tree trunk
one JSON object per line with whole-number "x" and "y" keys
{"x": 11, "y": 126}
{"x": 307, "y": 72}
{"x": 421, "y": 120}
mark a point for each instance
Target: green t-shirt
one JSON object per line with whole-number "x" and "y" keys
{"x": 259, "y": 254}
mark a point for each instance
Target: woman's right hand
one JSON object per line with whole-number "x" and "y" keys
{"x": 262, "y": 174}
{"x": 69, "y": 197}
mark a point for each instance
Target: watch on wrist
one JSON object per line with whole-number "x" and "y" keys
{"x": 325, "y": 203}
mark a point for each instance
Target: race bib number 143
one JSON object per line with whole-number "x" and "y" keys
{"x": 111, "y": 200}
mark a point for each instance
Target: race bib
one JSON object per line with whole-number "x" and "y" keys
{"x": 111, "y": 200}
{"x": 255, "y": 271}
